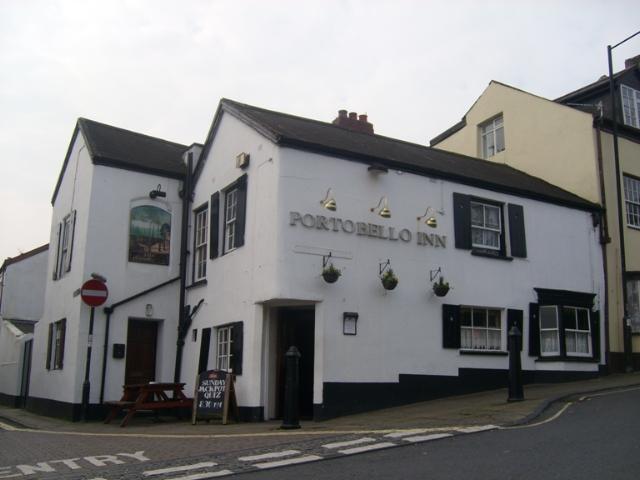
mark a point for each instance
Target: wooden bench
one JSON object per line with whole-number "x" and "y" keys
{"x": 147, "y": 396}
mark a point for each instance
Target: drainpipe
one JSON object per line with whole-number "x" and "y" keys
{"x": 604, "y": 240}
{"x": 184, "y": 317}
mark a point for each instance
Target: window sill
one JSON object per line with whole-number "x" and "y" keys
{"x": 500, "y": 353}
{"x": 199, "y": 283}
{"x": 564, "y": 358}
{"x": 487, "y": 254}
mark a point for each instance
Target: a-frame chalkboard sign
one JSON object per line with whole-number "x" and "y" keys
{"x": 214, "y": 397}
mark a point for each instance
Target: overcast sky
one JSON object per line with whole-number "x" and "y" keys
{"x": 160, "y": 68}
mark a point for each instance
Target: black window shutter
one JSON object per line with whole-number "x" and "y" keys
{"x": 462, "y": 220}
{"x": 58, "y": 247}
{"x": 214, "y": 225}
{"x": 205, "y": 342}
{"x": 450, "y": 326}
{"x": 63, "y": 330}
{"x": 242, "y": 211}
{"x": 595, "y": 334}
{"x": 516, "y": 231}
{"x": 514, "y": 318}
{"x": 534, "y": 330}
{"x": 70, "y": 246}
{"x": 236, "y": 347}
{"x": 50, "y": 338}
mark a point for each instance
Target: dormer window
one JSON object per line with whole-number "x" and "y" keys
{"x": 630, "y": 106}
{"x": 492, "y": 137}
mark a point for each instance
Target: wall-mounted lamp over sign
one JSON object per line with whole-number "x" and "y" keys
{"x": 350, "y": 323}
{"x": 429, "y": 220}
{"x": 377, "y": 169}
{"x": 382, "y": 208}
{"x": 157, "y": 193}
{"x": 329, "y": 202}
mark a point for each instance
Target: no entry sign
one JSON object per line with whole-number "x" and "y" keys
{"x": 94, "y": 293}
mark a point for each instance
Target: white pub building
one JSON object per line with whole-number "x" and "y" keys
{"x": 269, "y": 203}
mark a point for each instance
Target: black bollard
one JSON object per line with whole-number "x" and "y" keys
{"x": 291, "y": 413}
{"x": 516, "y": 393}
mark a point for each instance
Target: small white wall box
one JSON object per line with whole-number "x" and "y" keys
{"x": 350, "y": 323}
{"x": 242, "y": 160}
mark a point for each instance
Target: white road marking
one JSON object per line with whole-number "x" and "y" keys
{"x": 603, "y": 394}
{"x": 479, "y": 428}
{"x": 264, "y": 456}
{"x": 349, "y": 443}
{"x": 7, "y": 427}
{"x": 200, "y": 476}
{"x": 426, "y": 438}
{"x": 405, "y": 433}
{"x": 366, "y": 448}
{"x": 290, "y": 461}
{"x": 183, "y": 468}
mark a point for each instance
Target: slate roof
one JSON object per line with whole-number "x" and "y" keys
{"x": 297, "y": 132}
{"x": 120, "y": 148}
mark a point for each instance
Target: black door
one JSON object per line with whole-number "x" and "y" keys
{"x": 26, "y": 372}
{"x": 142, "y": 338}
{"x": 205, "y": 341}
{"x": 296, "y": 328}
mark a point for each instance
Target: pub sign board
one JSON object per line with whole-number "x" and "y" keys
{"x": 214, "y": 396}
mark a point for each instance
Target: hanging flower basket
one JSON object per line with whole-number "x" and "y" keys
{"x": 441, "y": 288}
{"x": 331, "y": 274}
{"x": 389, "y": 280}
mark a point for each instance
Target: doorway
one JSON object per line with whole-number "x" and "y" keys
{"x": 295, "y": 327}
{"x": 142, "y": 337}
{"x": 26, "y": 373}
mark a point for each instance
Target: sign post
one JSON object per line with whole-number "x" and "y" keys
{"x": 93, "y": 293}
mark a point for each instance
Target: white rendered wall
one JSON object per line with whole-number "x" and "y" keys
{"x": 11, "y": 350}
{"x": 401, "y": 331}
{"x": 102, "y": 197}
{"x": 23, "y": 288}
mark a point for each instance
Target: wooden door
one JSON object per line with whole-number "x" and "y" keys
{"x": 142, "y": 338}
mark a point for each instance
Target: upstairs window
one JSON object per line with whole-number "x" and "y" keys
{"x": 486, "y": 226}
{"x": 492, "y": 137}
{"x": 630, "y": 106}
{"x": 64, "y": 247}
{"x": 230, "y": 219}
{"x": 479, "y": 226}
{"x": 632, "y": 200}
{"x": 200, "y": 243}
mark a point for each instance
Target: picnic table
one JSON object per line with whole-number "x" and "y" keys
{"x": 147, "y": 396}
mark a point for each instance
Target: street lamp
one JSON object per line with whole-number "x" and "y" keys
{"x": 626, "y": 327}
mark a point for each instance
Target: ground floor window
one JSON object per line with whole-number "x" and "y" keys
{"x": 576, "y": 328}
{"x": 633, "y": 304}
{"x": 223, "y": 348}
{"x": 549, "y": 331}
{"x": 55, "y": 344}
{"x": 480, "y": 328}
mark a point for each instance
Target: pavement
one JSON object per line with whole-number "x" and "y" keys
{"x": 479, "y": 409}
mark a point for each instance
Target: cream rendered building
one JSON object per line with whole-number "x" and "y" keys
{"x": 569, "y": 142}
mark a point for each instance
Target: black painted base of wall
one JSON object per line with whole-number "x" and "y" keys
{"x": 251, "y": 414}
{"x": 617, "y": 362}
{"x": 10, "y": 400}
{"x": 349, "y": 398}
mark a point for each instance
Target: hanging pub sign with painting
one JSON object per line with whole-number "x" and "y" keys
{"x": 149, "y": 235}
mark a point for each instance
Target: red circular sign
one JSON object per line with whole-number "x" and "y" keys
{"x": 94, "y": 293}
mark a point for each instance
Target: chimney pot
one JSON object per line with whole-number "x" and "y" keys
{"x": 362, "y": 118}
{"x": 342, "y": 113}
{"x": 353, "y": 116}
{"x": 350, "y": 121}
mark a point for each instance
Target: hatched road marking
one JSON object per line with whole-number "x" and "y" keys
{"x": 366, "y": 448}
{"x": 427, "y": 438}
{"x": 290, "y": 461}
{"x": 184, "y": 468}
{"x": 349, "y": 443}
{"x": 264, "y": 456}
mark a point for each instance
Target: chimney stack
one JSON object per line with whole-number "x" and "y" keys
{"x": 353, "y": 122}
{"x": 632, "y": 62}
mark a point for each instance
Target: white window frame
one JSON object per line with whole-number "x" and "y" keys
{"x": 549, "y": 353}
{"x": 230, "y": 219}
{"x": 63, "y": 246}
{"x": 632, "y": 200}
{"x": 224, "y": 341}
{"x": 630, "y": 99}
{"x": 475, "y": 331}
{"x": 577, "y": 331}
{"x": 492, "y": 137}
{"x": 57, "y": 344}
{"x": 201, "y": 236}
{"x": 486, "y": 228}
